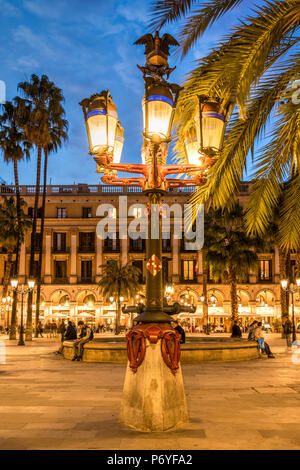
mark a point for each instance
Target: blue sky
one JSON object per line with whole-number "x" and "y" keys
{"x": 85, "y": 47}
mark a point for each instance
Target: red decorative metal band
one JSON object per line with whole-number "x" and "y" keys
{"x": 170, "y": 347}
{"x": 136, "y": 348}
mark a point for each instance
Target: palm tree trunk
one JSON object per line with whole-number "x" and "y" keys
{"x": 284, "y": 297}
{"x": 205, "y": 303}
{"x": 12, "y": 331}
{"x": 7, "y": 271}
{"x": 118, "y": 313}
{"x": 28, "y": 334}
{"x": 297, "y": 273}
{"x": 233, "y": 294}
{"x": 39, "y": 278}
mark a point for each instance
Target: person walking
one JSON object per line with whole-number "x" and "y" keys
{"x": 287, "y": 329}
{"x": 40, "y": 329}
{"x": 86, "y": 335}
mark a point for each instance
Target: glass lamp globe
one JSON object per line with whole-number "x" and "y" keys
{"x": 157, "y": 112}
{"x": 210, "y": 127}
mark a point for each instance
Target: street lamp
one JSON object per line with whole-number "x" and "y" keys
{"x": 101, "y": 121}
{"x": 23, "y": 290}
{"x": 205, "y": 313}
{"x": 105, "y": 136}
{"x": 6, "y": 307}
{"x": 292, "y": 289}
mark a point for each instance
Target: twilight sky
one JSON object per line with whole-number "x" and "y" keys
{"x": 85, "y": 47}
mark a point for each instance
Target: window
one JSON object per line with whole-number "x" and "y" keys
{"x": 112, "y": 244}
{"x": 86, "y": 241}
{"x": 166, "y": 243}
{"x": 265, "y": 270}
{"x": 137, "y": 245}
{"x": 184, "y": 243}
{"x": 35, "y": 271}
{"x": 212, "y": 277}
{"x": 59, "y": 240}
{"x": 86, "y": 212}
{"x": 61, "y": 212}
{"x": 12, "y": 268}
{"x": 60, "y": 269}
{"x": 188, "y": 270}
{"x": 139, "y": 264}
{"x": 165, "y": 270}
{"x": 38, "y": 241}
{"x": 39, "y": 212}
{"x": 86, "y": 270}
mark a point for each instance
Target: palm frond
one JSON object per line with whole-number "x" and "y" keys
{"x": 289, "y": 229}
{"x": 167, "y": 11}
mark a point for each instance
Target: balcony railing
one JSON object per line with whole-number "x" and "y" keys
{"x": 61, "y": 280}
{"x": 86, "y": 280}
{"x": 86, "y": 249}
{"x": 95, "y": 189}
{"x": 61, "y": 250}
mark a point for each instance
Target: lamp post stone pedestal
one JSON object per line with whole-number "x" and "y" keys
{"x": 153, "y": 397}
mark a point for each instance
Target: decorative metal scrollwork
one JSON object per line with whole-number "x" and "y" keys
{"x": 170, "y": 347}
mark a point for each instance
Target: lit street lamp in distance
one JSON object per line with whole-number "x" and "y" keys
{"x": 23, "y": 291}
{"x": 292, "y": 289}
{"x": 6, "y": 307}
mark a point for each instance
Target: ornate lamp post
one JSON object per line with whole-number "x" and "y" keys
{"x": 153, "y": 396}
{"x": 292, "y": 289}
{"x": 23, "y": 291}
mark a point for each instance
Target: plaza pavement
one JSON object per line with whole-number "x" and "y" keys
{"x": 48, "y": 402}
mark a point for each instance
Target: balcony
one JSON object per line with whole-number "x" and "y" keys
{"x": 56, "y": 250}
{"x": 137, "y": 246}
{"x": 111, "y": 246}
{"x": 86, "y": 280}
{"x": 187, "y": 281}
{"x": 86, "y": 249}
{"x": 61, "y": 280}
{"x": 96, "y": 189}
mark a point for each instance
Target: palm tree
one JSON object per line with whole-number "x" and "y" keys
{"x": 58, "y": 134}
{"x": 12, "y": 230}
{"x": 14, "y": 147}
{"x": 271, "y": 239}
{"x": 119, "y": 280}
{"x": 250, "y": 73}
{"x": 229, "y": 250}
{"x": 42, "y": 115}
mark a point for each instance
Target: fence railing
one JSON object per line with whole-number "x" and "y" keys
{"x": 95, "y": 189}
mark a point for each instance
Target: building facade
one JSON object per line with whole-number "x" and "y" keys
{"x": 73, "y": 255}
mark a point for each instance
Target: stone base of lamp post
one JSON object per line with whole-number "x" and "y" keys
{"x": 153, "y": 395}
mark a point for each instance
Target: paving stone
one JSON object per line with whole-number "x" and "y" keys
{"x": 47, "y": 402}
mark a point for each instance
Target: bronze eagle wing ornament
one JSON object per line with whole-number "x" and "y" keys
{"x": 166, "y": 41}
{"x": 148, "y": 41}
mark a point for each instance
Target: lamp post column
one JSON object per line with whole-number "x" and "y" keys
{"x": 21, "y": 337}
{"x": 153, "y": 395}
{"x": 293, "y": 313}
